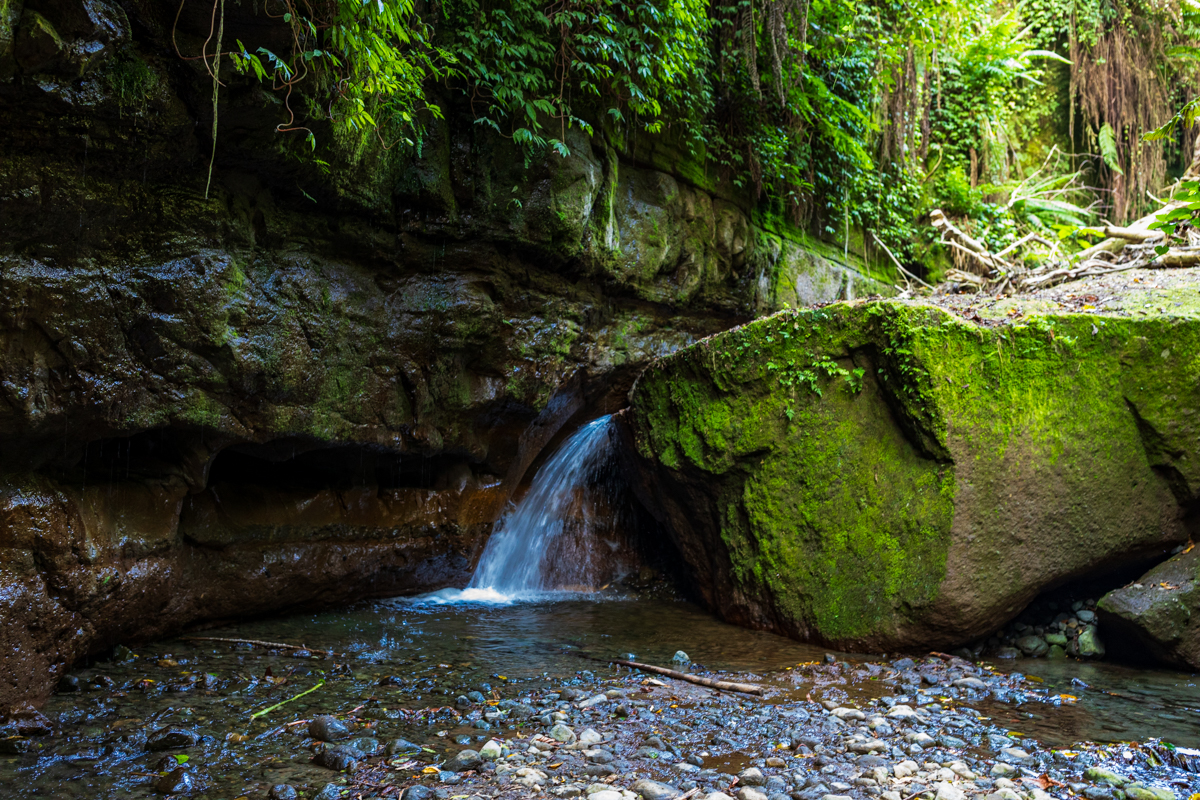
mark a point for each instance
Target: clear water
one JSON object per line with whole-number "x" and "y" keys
{"x": 553, "y": 538}
{"x": 406, "y": 655}
{"x": 540, "y": 642}
{"x": 1116, "y": 703}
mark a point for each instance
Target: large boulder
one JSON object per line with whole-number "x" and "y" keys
{"x": 1157, "y": 617}
{"x": 884, "y": 475}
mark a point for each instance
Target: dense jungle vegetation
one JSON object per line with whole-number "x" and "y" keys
{"x": 847, "y": 118}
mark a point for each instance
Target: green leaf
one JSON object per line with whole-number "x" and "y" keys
{"x": 1108, "y": 148}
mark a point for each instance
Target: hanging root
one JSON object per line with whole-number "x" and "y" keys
{"x": 216, "y": 85}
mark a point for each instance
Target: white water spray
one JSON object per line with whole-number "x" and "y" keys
{"x": 543, "y": 544}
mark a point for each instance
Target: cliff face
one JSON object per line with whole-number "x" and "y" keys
{"x": 317, "y": 382}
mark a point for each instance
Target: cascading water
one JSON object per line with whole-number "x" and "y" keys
{"x": 548, "y": 541}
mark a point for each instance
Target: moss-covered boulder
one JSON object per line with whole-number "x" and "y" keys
{"x": 884, "y": 475}
{"x": 1157, "y": 617}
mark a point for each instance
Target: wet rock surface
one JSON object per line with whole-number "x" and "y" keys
{"x": 835, "y": 725}
{"x": 222, "y": 389}
{"x": 1157, "y": 616}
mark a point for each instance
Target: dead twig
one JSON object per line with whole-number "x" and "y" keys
{"x": 727, "y": 686}
{"x": 256, "y": 643}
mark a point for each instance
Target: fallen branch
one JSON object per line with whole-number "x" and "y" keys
{"x": 1178, "y": 258}
{"x": 256, "y": 643}
{"x": 896, "y": 261}
{"x": 268, "y": 710}
{"x": 726, "y": 686}
{"x": 1130, "y": 234}
{"x": 1029, "y": 237}
{"x": 1115, "y": 243}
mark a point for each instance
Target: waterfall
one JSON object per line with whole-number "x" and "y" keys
{"x": 548, "y": 541}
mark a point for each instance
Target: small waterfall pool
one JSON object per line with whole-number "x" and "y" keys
{"x": 552, "y": 541}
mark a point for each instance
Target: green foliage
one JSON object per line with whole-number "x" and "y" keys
{"x": 1184, "y": 118}
{"x": 1107, "y": 139}
{"x": 536, "y": 70}
{"x": 1187, "y": 193}
{"x": 371, "y": 61}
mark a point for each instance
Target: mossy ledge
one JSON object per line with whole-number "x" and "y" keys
{"x": 883, "y": 475}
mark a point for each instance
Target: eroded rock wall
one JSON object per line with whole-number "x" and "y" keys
{"x": 292, "y": 383}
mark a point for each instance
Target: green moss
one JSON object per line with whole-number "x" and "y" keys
{"x": 838, "y": 506}
{"x": 132, "y": 80}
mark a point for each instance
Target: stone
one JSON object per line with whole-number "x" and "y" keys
{"x": 717, "y": 796}
{"x": 606, "y": 794}
{"x": 1059, "y": 639}
{"x": 905, "y": 769}
{"x": 339, "y": 758}
{"x": 751, "y": 793}
{"x": 1158, "y": 615}
{"x": 418, "y": 792}
{"x": 1138, "y": 791}
{"x": 1033, "y": 646}
{"x": 464, "y": 761}
{"x": 948, "y": 791}
{"x": 1008, "y": 652}
{"x": 331, "y": 791}
{"x": 1105, "y": 776}
{"x": 751, "y": 776}
{"x": 1015, "y": 755}
{"x": 589, "y": 736}
{"x": 401, "y": 747}
{"x": 922, "y": 465}
{"x": 1056, "y": 652}
{"x": 681, "y": 657}
{"x": 653, "y": 790}
{"x": 283, "y": 791}
{"x": 491, "y": 751}
{"x": 561, "y": 733}
{"x": 366, "y": 745}
{"x": 1085, "y": 616}
{"x": 1088, "y": 644}
{"x": 177, "y": 781}
{"x": 974, "y": 684}
{"x": 172, "y": 737}
{"x": 328, "y": 729}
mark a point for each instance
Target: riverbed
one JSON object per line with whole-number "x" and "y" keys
{"x": 445, "y": 676}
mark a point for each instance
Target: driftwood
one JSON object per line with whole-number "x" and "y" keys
{"x": 256, "y": 643}
{"x": 1178, "y": 257}
{"x": 1127, "y": 247}
{"x": 1132, "y": 234}
{"x": 725, "y": 686}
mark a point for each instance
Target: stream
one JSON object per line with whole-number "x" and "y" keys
{"x": 403, "y": 657}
